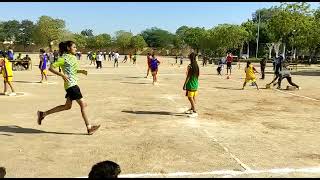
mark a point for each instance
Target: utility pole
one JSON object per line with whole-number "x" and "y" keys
{"x": 258, "y": 37}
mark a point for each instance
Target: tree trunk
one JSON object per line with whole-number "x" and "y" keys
{"x": 241, "y": 49}
{"x": 294, "y": 53}
{"x": 270, "y": 46}
{"x": 284, "y": 51}
{"x": 50, "y": 47}
{"x": 276, "y": 48}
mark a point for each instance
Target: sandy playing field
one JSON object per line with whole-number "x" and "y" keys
{"x": 239, "y": 133}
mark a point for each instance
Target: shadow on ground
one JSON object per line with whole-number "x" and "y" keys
{"x": 18, "y": 129}
{"x": 32, "y": 82}
{"x": 230, "y": 88}
{"x": 306, "y": 73}
{"x": 154, "y": 112}
{"x": 133, "y": 83}
{"x": 134, "y": 77}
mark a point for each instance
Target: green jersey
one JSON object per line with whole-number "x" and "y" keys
{"x": 193, "y": 83}
{"x": 69, "y": 65}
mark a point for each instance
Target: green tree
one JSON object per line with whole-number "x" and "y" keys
{"x": 123, "y": 39}
{"x": 137, "y": 43}
{"x": 103, "y": 41}
{"x": 87, "y": 32}
{"x": 49, "y": 30}
{"x": 80, "y": 40}
{"x": 25, "y": 35}
{"x": 193, "y": 36}
{"x": 158, "y": 38}
{"x": 11, "y": 30}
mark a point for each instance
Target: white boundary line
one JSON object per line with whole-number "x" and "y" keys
{"x": 297, "y": 95}
{"x": 225, "y": 172}
{"x": 243, "y": 165}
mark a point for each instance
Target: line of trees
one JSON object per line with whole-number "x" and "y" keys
{"x": 289, "y": 29}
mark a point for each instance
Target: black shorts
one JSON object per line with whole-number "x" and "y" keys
{"x": 229, "y": 65}
{"x": 73, "y": 93}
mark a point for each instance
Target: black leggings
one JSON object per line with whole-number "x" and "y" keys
{"x": 289, "y": 79}
{"x": 99, "y": 64}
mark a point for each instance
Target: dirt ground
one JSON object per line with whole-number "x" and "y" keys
{"x": 144, "y": 130}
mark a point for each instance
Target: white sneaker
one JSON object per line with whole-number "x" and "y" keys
{"x": 192, "y": 115}
{"x": 6, "y": 93}
{"x": 13, "y": 94}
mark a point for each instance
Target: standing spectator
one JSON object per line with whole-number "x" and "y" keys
{"x": 109, "y": 56}
{"x": 229, "y": 62}
{"x": 262, "y": 66}
{"x": 176, "y": 59}
{"x": 104, "y": 55}
{"x": 181, "y": 59}
{"x": 99, "y": 60}
{"x": 134, "y": 58}
{"x": 204, "y": 61}
{"x": 116, "y": 59}
{"x": 104, "y": 169}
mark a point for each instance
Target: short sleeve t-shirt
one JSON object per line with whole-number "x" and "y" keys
{"x": 69, "y": 65}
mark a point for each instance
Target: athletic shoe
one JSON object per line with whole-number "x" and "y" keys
{"x": 193, "y": 114}
{"x": 6, "y": 93}
{"x": 12, "y": 94}
{"x": 93, "y": 129}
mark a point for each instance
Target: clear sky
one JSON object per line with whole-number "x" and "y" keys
{"x": 108, "y": 17}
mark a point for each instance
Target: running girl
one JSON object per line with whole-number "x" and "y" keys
{"x": 70, "y": 65}
{"x": 191, "y": 84}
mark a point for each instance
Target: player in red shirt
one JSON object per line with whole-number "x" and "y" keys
{"x": 229, "y": 62}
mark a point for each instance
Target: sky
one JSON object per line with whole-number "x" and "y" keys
{"x": 109, "y": 17}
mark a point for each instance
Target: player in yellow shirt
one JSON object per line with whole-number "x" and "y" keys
{"x": 6, "y": 70}
{"x": 250, "y": 76}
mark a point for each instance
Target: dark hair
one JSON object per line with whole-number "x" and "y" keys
{"x": 248, "y": 63}
{"x": 194, "y": 70}
{"x": 3, "y": 54}
{"x": 42, "y": 50}
{"x": 62, "y": 48}
{"x": 105, "y": 169}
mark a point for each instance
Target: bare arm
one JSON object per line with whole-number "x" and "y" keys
{"x": 82, "y": 71}
{"x": 187, "y": 79}
{"x": 64, "y": 77}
